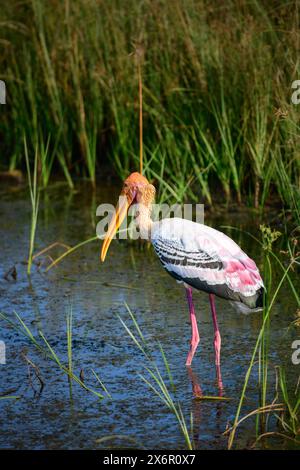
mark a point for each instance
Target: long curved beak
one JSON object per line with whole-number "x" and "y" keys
{"x": 120, "y": 214}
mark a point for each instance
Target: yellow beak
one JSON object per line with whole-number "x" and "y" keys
{"x": 120, "y": 214}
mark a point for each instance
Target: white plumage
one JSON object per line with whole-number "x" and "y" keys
{"x": 208, "y": 260}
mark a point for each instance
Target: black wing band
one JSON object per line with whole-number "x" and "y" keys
{"x": 173, "y": 253}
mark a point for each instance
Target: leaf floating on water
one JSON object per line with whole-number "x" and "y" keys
{"x": 121, "y": 286}
{"x": 211, "y": 398}
{"x": 10, "y": 397}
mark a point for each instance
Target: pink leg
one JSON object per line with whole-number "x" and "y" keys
{"x": 195, "y": 334}
{"x": 217, "y": 340}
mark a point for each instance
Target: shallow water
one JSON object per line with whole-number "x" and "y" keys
{"x": 97, "y": 292}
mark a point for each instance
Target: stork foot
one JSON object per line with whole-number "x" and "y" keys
{"x": 217, "y": 342}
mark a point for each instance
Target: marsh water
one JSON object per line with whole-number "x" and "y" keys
{"x": 134, "y": 416}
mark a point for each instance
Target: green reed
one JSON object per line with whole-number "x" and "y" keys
{"x": 44, "y": 347}
{"x": 34, "y": 198}
{"x": 69, "y": 319}
{"x": 217, "y": 109}
{"x": 165, "y": 390}
{"x": 289, "y": 417}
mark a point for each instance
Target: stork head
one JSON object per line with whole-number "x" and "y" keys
{"x": 136, "y": 189}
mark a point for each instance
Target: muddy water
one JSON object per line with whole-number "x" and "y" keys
{"x": 97, "y": 292}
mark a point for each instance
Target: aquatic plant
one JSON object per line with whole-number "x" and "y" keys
{"x": 34, "y": 199}
{"x": 158, "y": 385}
{"x": 164, "y": 389}
{"x": 289, "y": 418}
{"x": 217, "y": 80}
{"x": 48, "y": 352}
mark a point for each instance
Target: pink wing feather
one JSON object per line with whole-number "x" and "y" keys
{"x": 202, "y": 256}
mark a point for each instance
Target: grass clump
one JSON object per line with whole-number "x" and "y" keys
{"x": 288, "y": 418}
{"x": 217, "y": 87}
{"x": 34, "y": 199}
{"x": 164, "y": 389}
{"x": 48, "y": 352}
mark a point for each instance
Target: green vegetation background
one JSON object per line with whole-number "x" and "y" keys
{"x": 217, "y": 84}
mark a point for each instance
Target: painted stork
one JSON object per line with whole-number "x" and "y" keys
{"x": 195, "y": 254}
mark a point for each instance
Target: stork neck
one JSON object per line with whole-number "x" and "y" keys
{"x": 144, "y": 221}
{"x": 143, "y": 214}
